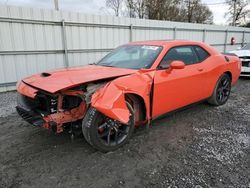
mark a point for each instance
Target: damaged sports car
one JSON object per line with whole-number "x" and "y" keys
{"x": 129, "y": 87}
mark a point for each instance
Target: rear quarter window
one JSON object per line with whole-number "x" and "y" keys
{"x": 202, "y": 54}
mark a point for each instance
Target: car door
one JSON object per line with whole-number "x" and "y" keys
{"x": 175, "y": 88}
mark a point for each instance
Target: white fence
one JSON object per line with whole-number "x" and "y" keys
{"x": 35, "y": 40}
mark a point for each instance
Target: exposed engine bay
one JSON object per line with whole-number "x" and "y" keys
{"x": 63, "y": 110}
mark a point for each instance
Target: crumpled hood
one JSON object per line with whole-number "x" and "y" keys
{"x": 69, "y": 77}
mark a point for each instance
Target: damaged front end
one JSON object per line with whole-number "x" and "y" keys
{"x": 58, "y": 111}
{"x": 137, "y": 89}
{"x": 67, "y": 108}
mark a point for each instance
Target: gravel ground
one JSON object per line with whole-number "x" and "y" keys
{"x": 7, "y": 103}
{"x": 202, "y": 146}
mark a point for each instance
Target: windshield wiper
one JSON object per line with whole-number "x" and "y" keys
{"x": 106, "y": 65}
{"x": 109, "y": 64}
{"x": 94, "y": 63}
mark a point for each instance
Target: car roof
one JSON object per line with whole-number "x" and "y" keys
{"x": 166, "y": 42}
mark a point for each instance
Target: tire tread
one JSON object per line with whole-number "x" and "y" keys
{"x": 88, "y": 130}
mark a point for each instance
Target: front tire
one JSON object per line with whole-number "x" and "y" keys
{"x": 222, "y": 91}
{"x": 106, "y": 134}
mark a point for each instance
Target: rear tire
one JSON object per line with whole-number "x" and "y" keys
{"x": 222, "y": 91}
{"x": 105, "y": 134}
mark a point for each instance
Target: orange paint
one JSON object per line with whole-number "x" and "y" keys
{"x": 173, "y": 88}
{"x": 26, "y": 90}
{"x": 162, "y": 90}
{"x": 110, "y": 100}
{"x": 65, "y": 117}
{"x": 70, "y": 77}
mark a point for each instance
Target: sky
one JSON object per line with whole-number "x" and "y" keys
{"x": 98, "y": 6}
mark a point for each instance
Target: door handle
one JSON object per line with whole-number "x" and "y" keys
{"x": 200, "y": 69}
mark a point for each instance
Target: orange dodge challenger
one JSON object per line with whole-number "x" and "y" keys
{"x": 131, "y": 86}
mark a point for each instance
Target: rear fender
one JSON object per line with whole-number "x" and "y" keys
{"x": 233, "y": 66}
{"x": 110, "y": 100}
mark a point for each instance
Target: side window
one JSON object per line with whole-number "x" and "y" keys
{"x": 182, "y": 53}
{"x": 203, "y": 54}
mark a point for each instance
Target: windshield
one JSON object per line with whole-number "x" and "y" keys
{"x": 246, "y": 47}
{"x": 131, "y": 57}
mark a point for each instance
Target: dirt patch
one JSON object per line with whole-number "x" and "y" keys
{"x": 202, "y": 146}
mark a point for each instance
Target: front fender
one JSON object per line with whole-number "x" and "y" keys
{"x": 110, "y": 100}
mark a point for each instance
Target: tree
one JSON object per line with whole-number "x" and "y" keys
{"x": 180, "y": 10}
{"x": 140, "y": 8}
{"x": 202, "y": 14}
{"x": 246, "y": 25}
{"x": 173, "y": 10}
{"x": 163, "y": 9}
{"x": 239, "y": 9}
{"x": 136, "y": 8}
{"x": 115, "y": 5}
{"x": 131, "y": 8}
{"x": 193, "y": 11}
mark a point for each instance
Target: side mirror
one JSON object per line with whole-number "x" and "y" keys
{"x": 164, "y": 65}
{"x": 177, "y": 65}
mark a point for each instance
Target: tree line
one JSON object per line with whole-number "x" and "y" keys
{"x": 193, "y": 11}
{"x": 238, "y": 12}
{"x": 173, "y": 10}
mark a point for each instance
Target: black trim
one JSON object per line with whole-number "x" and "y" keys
{"x": 245, "y": 73}
{"x": 226, "y": 58}
{"x": 30, "y": 116}
{"x": 245, "y": 63}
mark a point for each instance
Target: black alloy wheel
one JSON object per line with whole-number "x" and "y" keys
{"x": 106, "y": 134}
{"x": 222, "y": 91}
